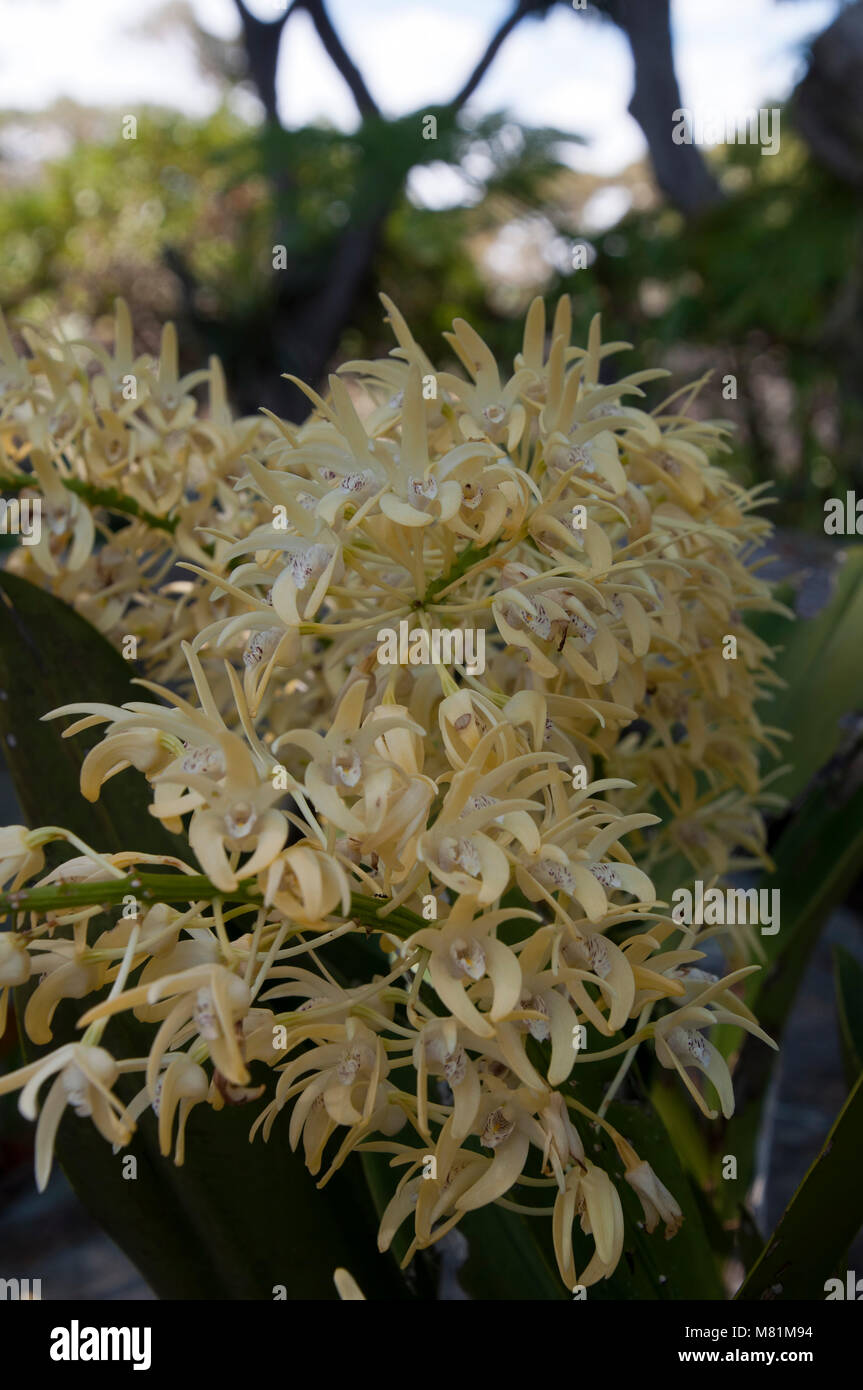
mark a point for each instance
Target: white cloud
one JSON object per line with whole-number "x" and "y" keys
{"x": 55, "y": 48}
{"x": 742, "y": 53}
{"x": 417, "y": 54}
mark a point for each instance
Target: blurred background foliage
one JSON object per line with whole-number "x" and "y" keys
{"x": 762, "y": 285}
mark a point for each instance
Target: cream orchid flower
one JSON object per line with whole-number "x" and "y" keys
{"x": 655, "y": 1198}
{"x": 208, "y": 1001}
{"x": 680, "y": 1044}
{"x": 344, "y": 762}
{"x": 589, "y": 1193}
{"x": 16, "y": 966}
{"x": 493, "y": 411}
{"x": 21, "y": 854}
{"x": 179, "y": 1088}
{"x": 603, "y": 555}
{"x": 238, "y": 816}
{"x": 83, "y": 1077}
{"x": 462, "y": 951}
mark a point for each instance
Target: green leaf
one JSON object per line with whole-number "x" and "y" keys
{"x": 849, "y": 1002}
{"x": 683, "y": 1267}
{"x": 237, "y": 1220}
{"x": 819, "y": 857}
{"x": 510, "y": 1257}
{"x": 820, "y": 849}
{"x": 821, "y": 1220}
{"x": 820, "y": 662}
{"x": 684, "y": 1120}
{"x": 50, "y": 656}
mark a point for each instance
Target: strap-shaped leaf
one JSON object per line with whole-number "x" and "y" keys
{"x": 819, "y": 660}
{"x": 50, "y": 656}
{"x": 821, "y": 1221}
{"x": 683, "y": 1267}
{"x": 849, "y": 1003}
{"x": 509, "y": 1257}
{"x": 818, "y": 858}
{"x": 237, "y": 1220}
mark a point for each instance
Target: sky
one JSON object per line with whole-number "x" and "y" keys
{"x": 567, "y": 71}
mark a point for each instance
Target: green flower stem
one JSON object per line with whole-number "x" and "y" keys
{"x": 108, "y": 497}
{"x": 181, "y": 889}
{"x": 470, "y": 556}
{"x": 401, "y": 923}
{"x": 620, "y": 1075}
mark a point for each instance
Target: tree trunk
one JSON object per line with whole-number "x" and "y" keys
{"x": 681, "y": 171}
{"x": 828, "y": 103}
{"x": 261, "y": 40}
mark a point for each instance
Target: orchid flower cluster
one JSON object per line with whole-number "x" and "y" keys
{"x": 487, "y": 837}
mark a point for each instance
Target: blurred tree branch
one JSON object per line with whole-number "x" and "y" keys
{"x": 522, "y": 9}
{"x": 827, "y": 105}
{"x": 335, "y": 50}
{"x": 262, "y": 38}
{"x": 310, "y": 308}
{"x": 312, "y": 305}
{"x": 681, "y": 171}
